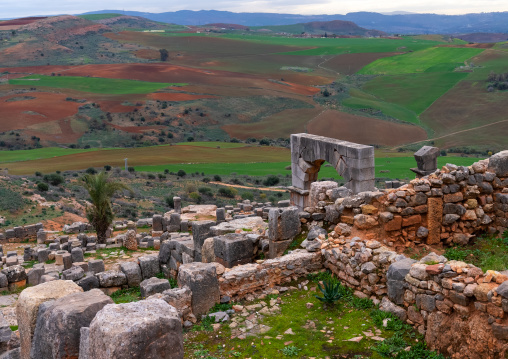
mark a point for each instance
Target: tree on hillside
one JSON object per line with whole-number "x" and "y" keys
{"x": 101, "y": 188}
{"x": 164, "y": 54}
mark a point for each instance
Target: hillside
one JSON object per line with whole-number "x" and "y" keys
{"x": 337, "y": 27}
{"x": 406, "y": 23}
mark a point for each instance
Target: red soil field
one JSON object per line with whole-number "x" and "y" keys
{"x": 20, "y": 22}
{"x": 161, "y": 72}
{"x": 365, "y": 130}
{"x": 168, "y": 96}
{"x": 115, "y": 106}
{"x": 351, "y": 63}
{"x": 46, "y": 107}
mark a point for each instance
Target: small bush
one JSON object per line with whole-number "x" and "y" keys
{"x": 54, "y": 179}
{"x": 131, "y": 169}
{"x": 181, "y": 173}
{"x": 228, "y": 192}
{"x": 271, "y": 180}
{"x": 43, "y": 187}
{"x": 91, "y": 171}
{"x": 217, "y": 178}
{"x": 107, "y": 168}
{"x": 169, "y": 202}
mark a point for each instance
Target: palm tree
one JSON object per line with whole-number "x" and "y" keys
{"x": 101, "y": 188}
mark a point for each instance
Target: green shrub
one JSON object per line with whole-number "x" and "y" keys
{"x": 54, "y": 179}
{"x": 271, "y": 180}
{"x": 217, "y": 178}
{"x": 42, "y": 187}
{"x": 91, "y": 170}
{"x": 181, "y": 173}
{"x": 228, "y": 192}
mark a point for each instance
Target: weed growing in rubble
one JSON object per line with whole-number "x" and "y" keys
{"x": 331, "y": 292}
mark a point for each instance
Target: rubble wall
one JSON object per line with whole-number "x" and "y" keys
{"x": 462, "y": 311}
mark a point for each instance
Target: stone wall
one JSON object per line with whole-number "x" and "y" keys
{"x": 462, "y": 311}
{"x": 21, "y": 232}
{"x": 249, "y": 278}
{"x": 448, "y": 207}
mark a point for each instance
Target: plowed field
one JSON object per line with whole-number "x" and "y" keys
{"x": 365, "y": 130}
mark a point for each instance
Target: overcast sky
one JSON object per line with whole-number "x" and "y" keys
{"x": 22, "y": 8}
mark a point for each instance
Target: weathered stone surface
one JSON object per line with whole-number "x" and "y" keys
{"x": 498, "y": 163}
{"x": 233, "y": 249}
{"x": 130, "y": 241}
{"x": 111, "y": 278}
{"x": 148, "y": 329}
{"x": 250, "y": 224}
{"x": 89, "y": 282}
{"x": 96, "y": 266}
{"x": 153, "y": 285}
{"x": 133, "y": 273}
{"x": 207, "y": 251}
{"x": 180, "y": 298}
{"x": 395, "y": 279}
{"x": 149, "y": 266}
{"x": 201, "y": 278}
{"x": 15, "y": 273}
{"x": 57, "y": 332}
{"x": 502, "y": 290}
{"x": 201, "y": 230}
{"x": 388, "y": 306}
{"x": 74, "y": 273}
{"x": 28, "y": 304}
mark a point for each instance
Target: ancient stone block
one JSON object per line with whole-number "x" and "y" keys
{"x": 133, "y": 273}
{"x": 96, "y": 266}
{"x": 201, "y": 278}
{"x": 57, "y": 331}
{"x": 434, "y": 218}
{"x": 233, "y": 249}
{"x": 148, "y": 329}
{"x": 149, "y": 266}
{"x": 28, "y": 306}
{"x": 201, "y": 230}
{"x": 153, "y": 285}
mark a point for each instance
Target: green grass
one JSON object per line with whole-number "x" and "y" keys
{"x": 330, "y": 46}
{"x": 333, "y": 327}
{"x": 415, "y": 92}
{"x": 398, "y": 167}
{"x": 39, "y": 153}
{"x": 93, "y": 84}
{"x": 360, "y": 100}
{"x": 126, "y": 295}
{"x": 99, "y": 16}
{"x": 433, "y": 59}
{"x": 486, "y": 252}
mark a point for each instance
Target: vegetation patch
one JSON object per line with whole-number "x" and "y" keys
{"x": 486, "y": 252}
{"x": 433, "y": 59}
{"x": 93, "y": 84}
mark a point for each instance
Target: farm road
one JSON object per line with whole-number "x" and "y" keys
{"x": 247, "y": 187}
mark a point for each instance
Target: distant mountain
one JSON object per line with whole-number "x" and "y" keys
{"x": 394, "y": 23}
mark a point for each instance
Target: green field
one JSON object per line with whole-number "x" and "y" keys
{"x": 39, "y": 153}
{"x": 415, "y": 92}
{"x": 361, "y": 100}
{"x": 433, "y": 59}
{"x": 398, "y": 167}
{"x": 330, "y": 46}
{"x": 93, "y": 84}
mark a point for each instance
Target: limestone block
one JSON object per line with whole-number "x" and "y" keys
{"x": 149, "y": 266}
{"x": 96, "y": 266}
{"x": 201, "y": 278}
{"x": 28, "y": 304}
{"x": 201, "y": 231}
{"x": 133, "y": 273}
{"x": 59, "y": 322}
{"x": 148, "y": 329}
{"x": 111, "y": 278}
{"x": 233, "y": 249}
{"x": 153, "y": 285}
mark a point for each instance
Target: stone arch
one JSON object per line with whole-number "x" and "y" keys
{"x": 354, "y": 162}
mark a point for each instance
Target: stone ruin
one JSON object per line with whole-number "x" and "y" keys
{"x": 354, "y": 162}
{"x": 461, "y": 310}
